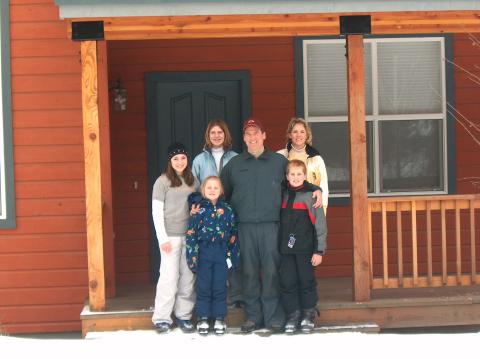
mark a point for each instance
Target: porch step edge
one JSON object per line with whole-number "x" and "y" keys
{"x": 354, "y": 327}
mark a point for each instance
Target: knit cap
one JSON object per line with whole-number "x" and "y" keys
{"x": 176, "y": 148}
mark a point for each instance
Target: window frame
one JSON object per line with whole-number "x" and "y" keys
{"x": 448, "y": 126}
{"x": 7, "y": 184}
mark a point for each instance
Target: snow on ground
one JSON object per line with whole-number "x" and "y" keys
{"x": 148, "y": 344}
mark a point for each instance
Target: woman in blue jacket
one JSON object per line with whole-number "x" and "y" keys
{"x": 216, "y": 154}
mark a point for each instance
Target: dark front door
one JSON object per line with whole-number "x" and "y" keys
{"x": 179, "y": 106}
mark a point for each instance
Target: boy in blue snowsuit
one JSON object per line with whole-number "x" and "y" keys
{"x": 212, "y": 248}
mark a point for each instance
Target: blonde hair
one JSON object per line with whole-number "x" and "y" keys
{"x": 298, "y": 120}
{"x": 297, "y": 164}
{"x": 227, "y": 141}
{"x": 211, "y": 178}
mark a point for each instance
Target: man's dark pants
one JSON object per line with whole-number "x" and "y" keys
{"x": 260, "y": 263}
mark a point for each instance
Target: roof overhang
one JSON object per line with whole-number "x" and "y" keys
{"x": 168, "y": 19}
{"x": 125, "y": 8}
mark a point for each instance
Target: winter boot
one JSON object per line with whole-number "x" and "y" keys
{"x": 292, "y": 322}
{"x": 163, "y": 327}
{"x": 203, "y": 326}
{"x": 219, "y": 327}
{"x": 308, "y": 320}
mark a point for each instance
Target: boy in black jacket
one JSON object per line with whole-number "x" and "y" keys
{"x": 303, "y": 232}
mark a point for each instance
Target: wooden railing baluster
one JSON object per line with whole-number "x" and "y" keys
{"x": 385, "y": 244}
{"x": 414, "y": 244}
{"x": 458, "y": 244}
{"x": 429, "y": 243}
{"x": 473, "y": 256}
{"x": 399, "y": 245}
{"x": 444, "y": 242}
{"x": 370, "y": 240}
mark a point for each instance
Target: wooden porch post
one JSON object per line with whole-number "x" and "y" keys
{"x": 93, "y": 183}
{"x": 106, "y": 169}
{"x": 358, "y": 167}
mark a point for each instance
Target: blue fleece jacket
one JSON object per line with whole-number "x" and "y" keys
{"x": 204, "y": 164}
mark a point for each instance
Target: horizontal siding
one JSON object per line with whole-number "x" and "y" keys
{"x": 43, "y": 262}
{"x": 43, "y": 243}
{"x": 467, "y": 93}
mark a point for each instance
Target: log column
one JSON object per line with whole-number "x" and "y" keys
{"x": 358, "y": 167}
{"x": 93, "y": 180}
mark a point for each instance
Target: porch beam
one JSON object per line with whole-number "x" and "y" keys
{"x": 228, "y": 26}
{"x": 358, "y": 167}
{"x": 93, "y": 183}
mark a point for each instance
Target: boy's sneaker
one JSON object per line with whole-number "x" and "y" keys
{"x": 203, "y": 326}
{"x": 185, "y": 325}
{"x": 308, "y": 320}
{"x": 220, "y": 327}
{"x": 292, "y": 322}
{"x": 163, "y": 327}
{"x": 307, "y": 325}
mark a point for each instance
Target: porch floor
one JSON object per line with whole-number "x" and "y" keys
{"x": 389, "y": 308}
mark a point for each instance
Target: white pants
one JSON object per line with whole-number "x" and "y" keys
{"x": 176, "y": 285}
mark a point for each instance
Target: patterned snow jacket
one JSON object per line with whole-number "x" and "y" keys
{"x": 214, "y": 225}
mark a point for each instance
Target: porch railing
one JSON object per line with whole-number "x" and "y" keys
{"x": 423, "y": 241}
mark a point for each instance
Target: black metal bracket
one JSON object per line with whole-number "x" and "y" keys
{"x": 355, "y": 25}
{"x": 87, "y": 30}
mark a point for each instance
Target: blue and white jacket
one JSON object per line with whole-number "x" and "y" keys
{"x": 213, "y": 230}
{"x": 204, "y": 164}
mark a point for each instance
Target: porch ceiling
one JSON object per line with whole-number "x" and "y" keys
{"x": 121, "y": 8}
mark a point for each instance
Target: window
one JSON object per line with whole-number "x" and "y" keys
{"x": 405, "y": 93}
{"x": 7, "y": 197}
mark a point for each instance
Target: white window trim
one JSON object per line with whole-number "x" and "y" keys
{"x": 376, "y": 117}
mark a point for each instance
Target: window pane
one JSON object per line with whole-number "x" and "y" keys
{"x": 411, "y": 155}
{"x": 327, "y": 79}
{"x": 409, "y": 77}
{"x": 332, "y": 141}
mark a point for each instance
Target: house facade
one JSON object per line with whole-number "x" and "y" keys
{"x": 420, "y": 109}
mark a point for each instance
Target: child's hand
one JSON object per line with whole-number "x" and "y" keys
{"x": 316, "y": 259}
{"x": 166, "y": 247}
{"x": 195, "y": 209}
{"x": 318, "y": 199}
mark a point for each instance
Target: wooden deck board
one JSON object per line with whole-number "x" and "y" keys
{"x": 388, "y": 308}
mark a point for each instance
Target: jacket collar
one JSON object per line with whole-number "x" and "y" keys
{"x": 207, "y": 204}
{"x": 266, "y": 154}
{"x": 209, "y": 149}
{"x": 311, "y": 152}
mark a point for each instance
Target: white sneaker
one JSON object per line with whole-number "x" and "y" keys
{"x": 202, "y": 326}
{"x": 219, "y": 327}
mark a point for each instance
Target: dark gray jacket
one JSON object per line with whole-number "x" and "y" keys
{"x": 253, "y": 186}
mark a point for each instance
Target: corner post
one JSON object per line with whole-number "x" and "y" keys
{"x": 93, "y": 181}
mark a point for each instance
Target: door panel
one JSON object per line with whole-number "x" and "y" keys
{"x": 179, "y": 107}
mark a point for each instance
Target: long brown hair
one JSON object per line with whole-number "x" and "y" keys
{"x": 175, "y": 180}
{"x": 227, "y": 142}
